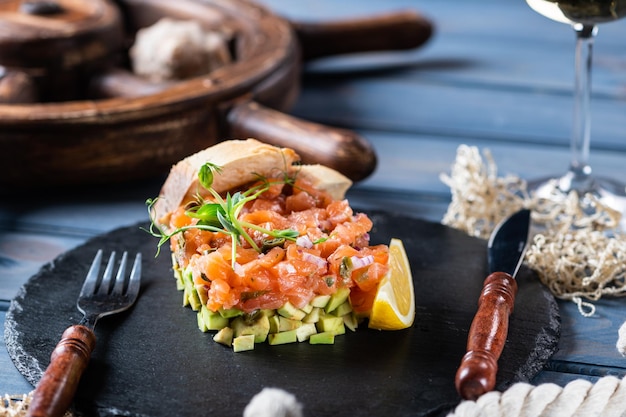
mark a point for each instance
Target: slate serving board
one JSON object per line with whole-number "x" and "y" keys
{"x": 153, "y": 360}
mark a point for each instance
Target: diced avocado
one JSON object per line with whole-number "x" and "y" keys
{"x": 320, "y": 301}
{"x": 274, "y": 323}
{"x": 185, "y": 297}
{"x": 203, "y": 293}
{"x": 187, "y": 276}
{"x": 267, "y": 312}
{"x": 305, "y": 331}
{"x": 229, "y": 313}
{"x": 350, "y": 321}
{"x": 285, "y": 324}
{"x": 260, "y": 328}
{"x": 179, "y": 283}
{"x": 212, "y": 320}
{"x": 243, "y": 343}
{"x": 178, "y": 275}
{"x": 324, "y": 338}
{"x": 283, "y": 337}
{"x": 331, "y": 324}
{"x": 224, "y": 336}
{"x": 194, "y": 300}
{"x": 343, "y": 309}
{"x": 201, "y": 324}
{"x": 337, "y": 299}
{"x": 289, "y": 311}
{"x": 313, "y": 316}
{"x": 307, "y": 308}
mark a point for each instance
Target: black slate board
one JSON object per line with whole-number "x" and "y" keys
{"x": 153, "y": 360}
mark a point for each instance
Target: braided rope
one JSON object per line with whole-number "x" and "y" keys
{"x": 621, "y": 341}
{"x": 579, "y": 398}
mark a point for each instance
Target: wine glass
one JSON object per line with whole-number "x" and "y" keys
{"x": 583, "y": 16}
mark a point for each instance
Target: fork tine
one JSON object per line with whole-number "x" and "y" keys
{"x": 135, "y": 277}
{"x": 105, "y": 284}
{"x": 91, "y": 280}
{"x": 118, "y": 288}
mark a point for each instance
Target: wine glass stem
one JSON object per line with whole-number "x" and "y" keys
{"x": 579, "y": 177}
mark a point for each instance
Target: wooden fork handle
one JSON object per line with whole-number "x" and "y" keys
{"x": 487, "y": 335}
{"x": 55, "y": 391}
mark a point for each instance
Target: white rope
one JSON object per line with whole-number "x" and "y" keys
{"x": 621, "y": 340}
{"x": 579, "y": 398}
{"x": 273, "y": 402}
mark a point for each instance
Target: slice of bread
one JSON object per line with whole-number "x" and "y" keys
{"x": 242, "y": 161}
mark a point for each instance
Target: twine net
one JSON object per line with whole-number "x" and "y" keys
{"x": 577, "y": 248}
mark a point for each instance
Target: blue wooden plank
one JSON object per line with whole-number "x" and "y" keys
{"x": 560, "y": 378}
{"x": 80, "y": 214}
{"x": 23, "y": 254}
{"x": 505, "y": 43}
{"x": 589, "y": 342}
{"x": 422, "y": 108}
{"x": 413, "y": 163}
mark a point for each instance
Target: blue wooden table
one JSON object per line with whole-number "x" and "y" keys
{"x": 495, "y": 75}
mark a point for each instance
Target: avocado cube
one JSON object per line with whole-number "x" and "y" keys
{"x": 331, "y": 324}
{"x": 324, "y": 338}
{"x": 307, "y": 308}
{"x": 260, "y": 328}
{"x": 268, "y": 312}
{"x": 229, "y": 313}
{"x": 313, "y": 316}
{"x": 178, "y": 275}
{"x": 185, "y": 297}
{"x": 224, "y": 336}
{"x": 201, "y": 324}
{"x": 212, "y": 320}
{"x": 283, "y": 337}
{"x": 337, "y": 299}
{"x": 343, "y": 309}
{"x": 289, "y": 311}
{"x": 203, "y": 293}
{"x": 305, "y": 331}
{"x": 243, "y": 343}
{"x": 350, "y": 321}
{"x": 285, "y": 324}
{"x": 194, "y": 299}
{"x": 320, "y": 301}
{"x": 187, "y": 276}
{"x": 274, "y": 323}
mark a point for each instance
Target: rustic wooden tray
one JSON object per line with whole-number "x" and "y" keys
{"x": 140, "y": 132}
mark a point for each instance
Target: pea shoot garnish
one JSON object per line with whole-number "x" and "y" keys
{"x": 221, "y": 214}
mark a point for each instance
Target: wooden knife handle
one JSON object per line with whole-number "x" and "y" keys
{"x": 487, "y": 336}
{"x": 55, "y": 391}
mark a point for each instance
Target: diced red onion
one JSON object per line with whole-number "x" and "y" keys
{"x": 304, "y": 241}
{"x": 358, "y": 263}
{"x": 239, "y": 270}
{"x": 314, "y": 259}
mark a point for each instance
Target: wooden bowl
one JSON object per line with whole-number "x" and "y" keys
{"x": 133, "y": 129}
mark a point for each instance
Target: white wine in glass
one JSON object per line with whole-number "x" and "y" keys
{"x": 583, "y": 16}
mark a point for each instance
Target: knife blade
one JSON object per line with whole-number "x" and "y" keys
{"x": 488, "y": 332}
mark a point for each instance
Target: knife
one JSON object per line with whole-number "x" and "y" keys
{"x": 487, "y": 335}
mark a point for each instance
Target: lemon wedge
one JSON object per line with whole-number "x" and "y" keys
{"x": 394, "y": 303}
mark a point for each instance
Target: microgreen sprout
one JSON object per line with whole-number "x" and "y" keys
{"x": 221, "y": 214}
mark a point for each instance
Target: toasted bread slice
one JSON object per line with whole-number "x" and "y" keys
{"x": 242, "y": 162}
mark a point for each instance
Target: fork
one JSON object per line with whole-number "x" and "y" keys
{"x": 70, "y": 357}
